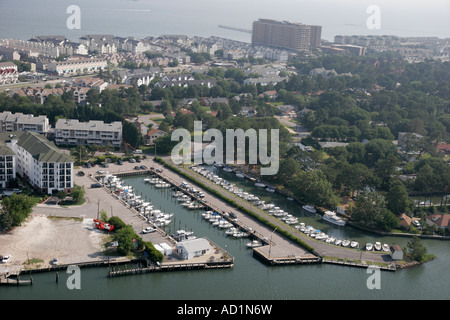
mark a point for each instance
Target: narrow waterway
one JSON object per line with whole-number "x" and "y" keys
{"x": 249, "y": 278}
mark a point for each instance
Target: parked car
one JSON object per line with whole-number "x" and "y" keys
{"x": 96, "y": 185}
{"x": 100, "y": 171}
{"x": 148, "y": 230}
{"x": 6, "y": 258}
{"x": 55, "y": 261}
{"x": 143, "y": 167}
{"x": 80, "y": 173}
{"x": 137, "y": 168}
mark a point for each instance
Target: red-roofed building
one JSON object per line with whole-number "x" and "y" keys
{"x": 443, "y": 147}
{"x": 152, "y": 135}
{"x": 439, "y": 220}
{"x": 8, "y": 73}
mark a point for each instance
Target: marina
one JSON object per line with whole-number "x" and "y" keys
{"x": 248, "y": 278}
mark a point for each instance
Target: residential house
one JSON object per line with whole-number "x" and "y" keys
{"x": 248, "y": 111}
{"x": 287, "y": 110}
{"x": 405, "y": 221}
{"x": 153, "y": 135}
{"x": 439, "y": 220}
{"x": 209, "y": 101}
{"x": 270, "y": 94}
{"x": 323, "y": 72}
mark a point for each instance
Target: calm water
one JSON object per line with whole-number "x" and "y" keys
{"x": 141, "y": 18}
{"x": 249, "y": 279}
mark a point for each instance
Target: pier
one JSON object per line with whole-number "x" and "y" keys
{"x": 166, "y": 267}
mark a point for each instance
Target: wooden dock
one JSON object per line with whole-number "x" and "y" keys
{"x": 6, "y": 280}
{"x": 170, "y": 267}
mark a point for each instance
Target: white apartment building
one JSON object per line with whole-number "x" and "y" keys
{"x": 37, "y": 160}
{"x": 7, "y": 164}
{"x": 77, "y": 66}
{"x": 23, "y": 122}
{"x": 73, "y": 132}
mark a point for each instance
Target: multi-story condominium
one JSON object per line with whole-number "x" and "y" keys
{"x": 23, "y": 122}
{"x": 8, "y": 73}
{"x": 7, "y": 164}
{"x": 77, "y": 66}
{"x": 281, "y": 34}
{"x": 73, "y": 132}
{"x": 102, "y": 43}
{"x": 316, "y": 36}
{"x": 37, "y": 160}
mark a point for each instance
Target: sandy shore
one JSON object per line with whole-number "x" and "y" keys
{"x": 43, "y": 238}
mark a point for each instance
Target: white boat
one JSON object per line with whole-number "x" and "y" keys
{"x": 178, "y": 194}
{"x": 184, "y": 198}
{"x": 309, "y": 208}
{"x": 260, "y": 185}
{"x": 331, "y": 217}
{"x": 254, "y": 244}
{"x": 270, "y": 190}
{"x": 354, "y": 244}
{"x": 385, "y": 247}
{"x": 162, "y": 185}
{"x": 231, "y": 231}
{"x": 331, "y": 240}
{"x": 338, "y": 242}
{"x": 240, "y": 234}
{"x": 147, "y": 180}
{"x": 227, "y": 169}
{"x": 239, "y": 175}
{"x": 377, "y": 246}
{"x": 369, "y": 246}
{"x": 194, "y": 206}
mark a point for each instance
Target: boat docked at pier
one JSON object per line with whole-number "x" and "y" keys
{"x": 309, "y": 208}
{"x": 331, "y": 216}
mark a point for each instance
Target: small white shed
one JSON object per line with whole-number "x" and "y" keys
{"x": 189, "y": 249}
{"x": 396, "y": 252}
{"x": 167, "y": 249}
{"x": 158, "y": 247}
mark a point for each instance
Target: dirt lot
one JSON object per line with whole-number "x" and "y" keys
{"x": 69, "y": 240}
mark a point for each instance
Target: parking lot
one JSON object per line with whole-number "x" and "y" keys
{"x": 70, "y": 240}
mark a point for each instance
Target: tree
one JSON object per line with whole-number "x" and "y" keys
{"x": 17, "y": 208}
{"x": 313, "y": 187}
{"x": 124, "y": 237}
{"x": 370, "y": 210}
{"x": 416, "y": 250}
{"x": 78, "y": 193}
{"x": 397, "y": 197}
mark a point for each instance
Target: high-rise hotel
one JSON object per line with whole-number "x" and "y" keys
{"x": 286, "y": 35}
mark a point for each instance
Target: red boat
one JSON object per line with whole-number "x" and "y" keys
{"x": 103, "y": 225}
